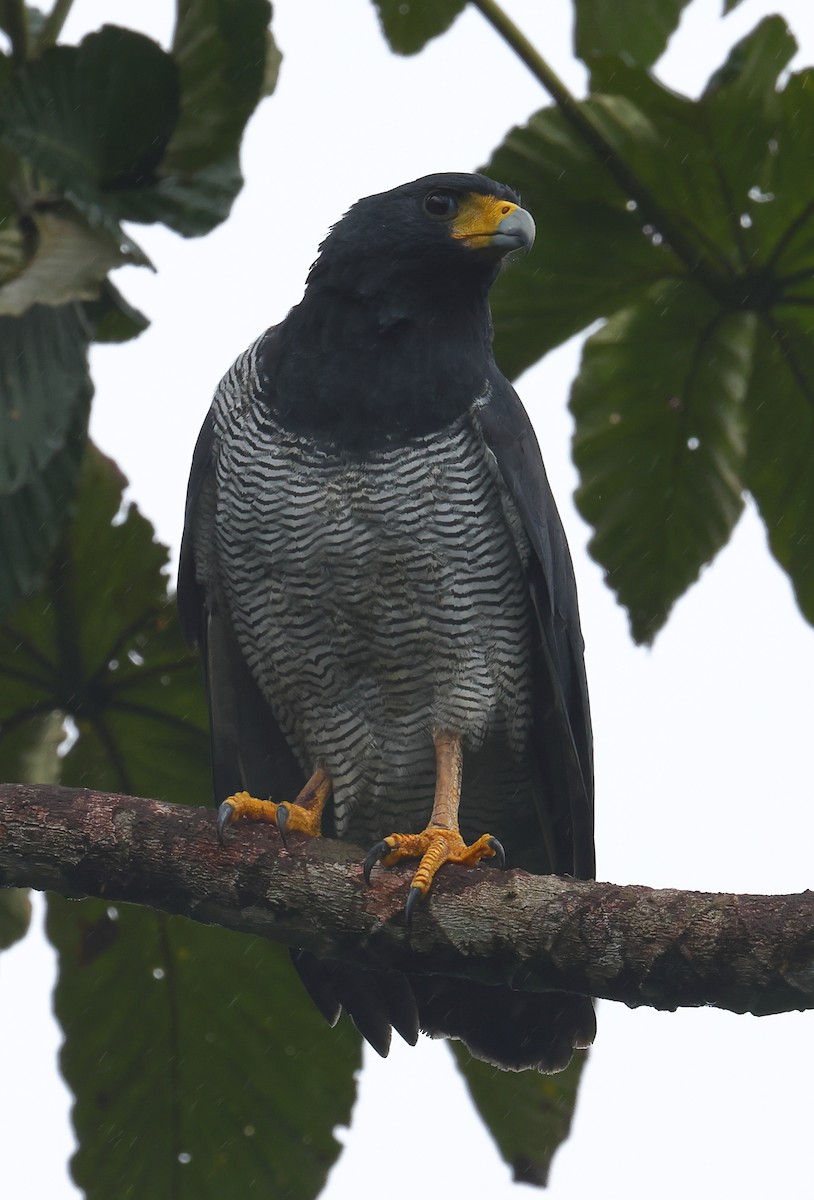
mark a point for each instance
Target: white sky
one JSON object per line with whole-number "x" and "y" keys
{"x": 703, "y": 744}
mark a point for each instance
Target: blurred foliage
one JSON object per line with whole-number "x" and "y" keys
{"x": 681, "y": 230}
{"x": 528, "y": 1114}
{"x": 200, "y": 1069}
{"x": 706, "y": 280}
{"x": 92, "y": 135}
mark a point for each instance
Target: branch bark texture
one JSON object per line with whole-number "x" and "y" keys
{"x": 663, "y": 948}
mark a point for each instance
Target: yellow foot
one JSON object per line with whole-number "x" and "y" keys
{"x": 303, "y": 815}
{"x": 435, "y": 846}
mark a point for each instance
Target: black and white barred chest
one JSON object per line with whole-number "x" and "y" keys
{"x": 376, "y": 600}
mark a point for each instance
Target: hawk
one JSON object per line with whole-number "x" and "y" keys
{"x": 377, "y": 578}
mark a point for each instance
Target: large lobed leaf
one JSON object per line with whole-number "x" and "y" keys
{"x": 723, "y": 213}
{"x": 200, "y": 1068}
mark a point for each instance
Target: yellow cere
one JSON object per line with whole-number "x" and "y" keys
{"x": 480, "y": 216}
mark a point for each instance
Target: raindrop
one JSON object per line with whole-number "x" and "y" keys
{"x": 184, "y": 1158}
{"x": 758, "y": 196}
{"x": 773, "y": 145}
{"x": 165, "y": 679}
{"x": 615, "y": 418}
{"x": 693, "y": 443}
{"x": 404, "y": 9}
{"x": 657, "y": 239}
{"x": 158, "y": 972}
{"x": 136, "y": 659}
{"x": 745, "y": 221}
{"x": 631, "y": 205}
{"x": 70, "y": 736}
{"x": 112, "y": 914}
{"x": 248, "y": 1131}
{"x": 113, "y": 665}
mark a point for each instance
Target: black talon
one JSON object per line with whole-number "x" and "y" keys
{"x": 500, "y": 853}
{"x": 413, "y": 896}
{"x": 281, "y": 816}
{"x": 372, "y": 857}
{"x": 225, "y": 811}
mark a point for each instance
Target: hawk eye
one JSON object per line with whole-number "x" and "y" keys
{"x": 440, "y": 204}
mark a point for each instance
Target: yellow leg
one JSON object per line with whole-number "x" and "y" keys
{"x": 303, "y": 815}
{"x": 441, "y": 841}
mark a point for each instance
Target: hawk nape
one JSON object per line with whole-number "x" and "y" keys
{"x": 376, "y": 575}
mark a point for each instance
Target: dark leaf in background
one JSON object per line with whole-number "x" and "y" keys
{"x": 112, "y": 318}
{"x": 780, "y": 454}
{"x": 46, "y": 394}
{"x": 15, "y": 915}
{"x": 629, "y": 29}
{"x": 201, "y": 1071}
{"x": 221, "y": 51}
{"x": 95, "y": 117}
{"x": 661, "y": 467}
{"x": 731, "y": 174}
{"x": 529, "y": 1115}
{"x": 101, "y": 644}
{"x": 591, "y": 255}
{"x": 227, "y": 60}
{"x": 409, "y": 24}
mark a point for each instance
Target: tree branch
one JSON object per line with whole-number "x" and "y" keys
{"x": 662, "y": 948}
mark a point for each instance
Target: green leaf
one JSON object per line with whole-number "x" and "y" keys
{"x": 200, "y": 1068}
{"x": 591, "y": 255}
{"x": 528, "y": 1114}
{"x": 409, "y": 24}
{"x": 221, "y": 49}
{"x": 47, "y": 390}
{"x": 729, "y": 5}
{"x": 15, "y": 915}
{"x": 112, "y": 318}
{"x": 95, "y": 117}
{"x": 102, "y": 644}
{"x": 780, "y": 455}
{"x": 636, "y": 32}
{"x": 660, "y": 443}
{"x": 596, "y": 252}
{"x": 782, "y": 210}
{"x": 191, "y": 205}
{"x": 70, "y": 262}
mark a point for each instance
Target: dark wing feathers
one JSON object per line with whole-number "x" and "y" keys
{"x": 562, "y": 723}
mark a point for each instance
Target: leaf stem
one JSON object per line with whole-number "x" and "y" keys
{"x": 15, "y": 21}
{"x": 52, "y": 25}
{"x": 575, "y": 113}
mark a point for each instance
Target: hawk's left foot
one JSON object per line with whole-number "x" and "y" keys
{"x": 303, "y": 815}
{"x": 441, "y": 841}
{"x": 434, "y": 846}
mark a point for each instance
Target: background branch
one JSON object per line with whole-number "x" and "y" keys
{"x": 664, "y": 948}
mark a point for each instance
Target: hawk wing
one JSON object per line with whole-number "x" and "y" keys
{"x": 561, "y": 723}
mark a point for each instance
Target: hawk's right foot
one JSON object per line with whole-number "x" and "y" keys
{"x": 303, "y": 815}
